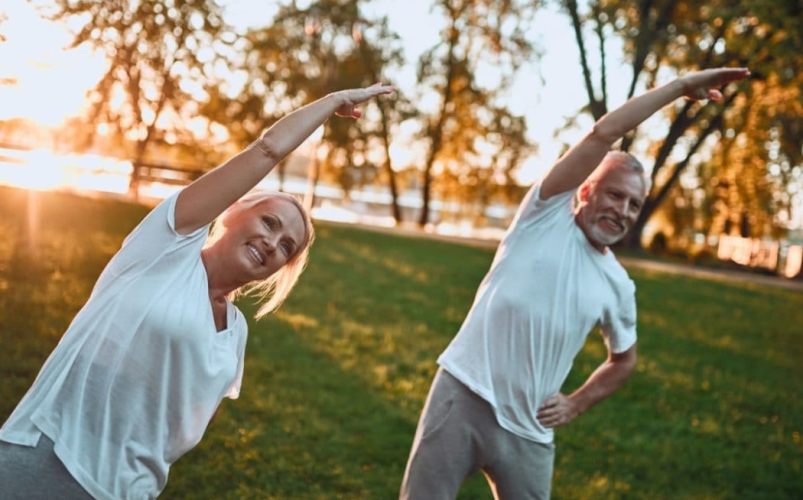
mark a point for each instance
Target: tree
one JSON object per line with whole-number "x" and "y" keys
{"x": 379, "y": 50}
{"x": 476, "y": 31}
{"x": 158, "y": 50}
{"x": 685, "y": 36}
{"x": 5, "y": 81}
{"x": 303, "y": 55}
{"x": 3, "y": 18}
{"x": 744, "y": 187}
{"x": 480, "y": 159}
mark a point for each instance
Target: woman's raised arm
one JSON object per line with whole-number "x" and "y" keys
{"x": 206, "y": 198}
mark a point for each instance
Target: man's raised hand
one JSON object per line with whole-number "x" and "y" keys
{"x": 704, "y": 84}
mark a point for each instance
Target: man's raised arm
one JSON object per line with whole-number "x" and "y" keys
{"x": 573, "y": 167}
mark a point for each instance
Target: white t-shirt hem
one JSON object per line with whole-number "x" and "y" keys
{"x": 66, "y": 458}
{"x": 30, "y": 439}
{"x": 504, "y": 423}
{"x": 620, "y": 348}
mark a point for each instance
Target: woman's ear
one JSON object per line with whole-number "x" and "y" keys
{"x": 231, "y": 214}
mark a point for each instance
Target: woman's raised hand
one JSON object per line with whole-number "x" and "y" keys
{"x": 704, "y": 84}
{"x": 351, "y": 98}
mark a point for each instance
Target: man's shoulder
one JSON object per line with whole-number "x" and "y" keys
{"x": 534, "y": 208}
{"x": 616, "y": 271}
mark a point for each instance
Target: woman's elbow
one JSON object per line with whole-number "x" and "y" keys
{"x": 269, "y": 145}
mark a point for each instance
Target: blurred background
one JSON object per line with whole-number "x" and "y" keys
{"x": 136, "y": 98}
{"x": 107, "y": 106}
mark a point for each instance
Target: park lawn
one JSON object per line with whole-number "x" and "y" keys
{"x": 335, "y": 380}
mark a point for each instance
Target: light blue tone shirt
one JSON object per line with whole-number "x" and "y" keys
{"x": 547, "y": 288}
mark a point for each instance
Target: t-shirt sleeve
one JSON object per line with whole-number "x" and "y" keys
{"x": 534, "y": 210}
{"x": 619, "y": 324}
{"x": 154, "y": 237}
{"x": 234, "y": 389}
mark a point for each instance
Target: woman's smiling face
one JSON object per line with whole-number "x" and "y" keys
{"x": 261, "y": 239}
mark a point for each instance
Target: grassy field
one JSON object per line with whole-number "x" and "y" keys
{"x": 335, "y": 379}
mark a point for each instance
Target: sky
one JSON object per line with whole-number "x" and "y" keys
{"x": 546, "y": 92}
{"x": 51, "y": 82}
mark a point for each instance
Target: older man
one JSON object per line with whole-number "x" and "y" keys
{"x": 496, "y": 398}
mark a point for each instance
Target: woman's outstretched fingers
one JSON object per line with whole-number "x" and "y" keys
{"x": 379, "y": 89}
{"x": 724, "y": 76}
{"x": 357, "y": 96}
{"x": 736, "y": 74}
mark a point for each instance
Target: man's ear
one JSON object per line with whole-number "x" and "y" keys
{"x": 583, "y": 191}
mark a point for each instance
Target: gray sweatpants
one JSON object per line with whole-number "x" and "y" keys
{"x": 36, "y": 474}
{"x": 458, "y": 435}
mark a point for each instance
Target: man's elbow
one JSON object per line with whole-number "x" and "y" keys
{"x": 625, "y": 362}
{"x": 603, "y": 133}
{"x": 629, "y": 367}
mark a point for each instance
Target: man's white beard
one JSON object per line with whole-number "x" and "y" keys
{"x": 603, "y": 236}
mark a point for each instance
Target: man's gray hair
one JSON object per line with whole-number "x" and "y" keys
{"x": 620, "y": 159}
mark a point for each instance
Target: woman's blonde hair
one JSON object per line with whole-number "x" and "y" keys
{"x": 276, "y": 287}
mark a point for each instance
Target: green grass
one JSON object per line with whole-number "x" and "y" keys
{"x": 335, "y": 380}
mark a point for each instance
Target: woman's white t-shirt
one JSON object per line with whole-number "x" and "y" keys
{"x": 547, "y": 288}
{"x": 135, "y": 380}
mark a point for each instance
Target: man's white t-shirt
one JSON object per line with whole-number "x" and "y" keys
{"x": 135, "y": 380}
{"x": 547, "y": 288}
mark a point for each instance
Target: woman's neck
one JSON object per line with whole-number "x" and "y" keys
{"x": 219, "y": 286}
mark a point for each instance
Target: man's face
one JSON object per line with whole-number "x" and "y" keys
{"x": 609, "y": 208}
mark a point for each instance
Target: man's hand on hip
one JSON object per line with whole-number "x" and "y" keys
{"x": 557, "y": 410}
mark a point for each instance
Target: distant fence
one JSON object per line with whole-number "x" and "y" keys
{"x": 166, "y": 174}
{"x": 775, "y": 256}
{"x": 175, "y": 175}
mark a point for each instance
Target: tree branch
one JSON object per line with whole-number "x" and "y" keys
{"x": 603, "y": 65}
{"x": 646, "y": 37}
{"x": 714, "y": 124}
{"x": 596, "y": 109}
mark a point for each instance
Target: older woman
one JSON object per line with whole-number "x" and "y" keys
{"x": 144, "y": 365}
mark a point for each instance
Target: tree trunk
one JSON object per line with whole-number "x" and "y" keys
{"x": 384, "y": 133}
{"x": 633, "y": 239}
{"x": 394, "y": 192}
{"x": 139, "y": 156}
{"x": 281, "y": 168}
{"x": 598, "y": 108}
{"x": 314, "y": 174}
{"x": 437, "y": 130}
{"x": 136, "y": 164}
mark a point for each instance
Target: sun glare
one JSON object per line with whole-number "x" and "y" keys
{"x": 49, "y": 82}
{"x": 42, "y": 170}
